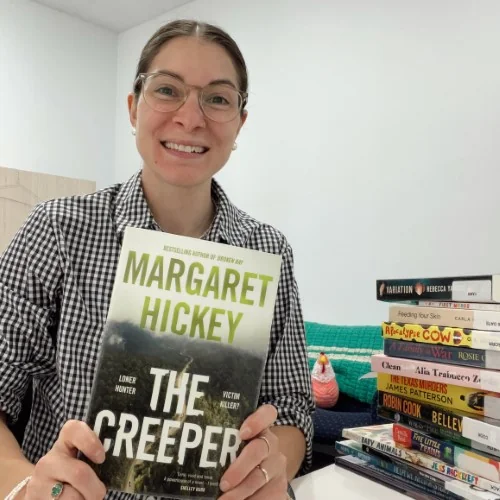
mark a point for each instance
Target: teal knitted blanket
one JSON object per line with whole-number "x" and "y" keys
{"x": 349, "y": 349}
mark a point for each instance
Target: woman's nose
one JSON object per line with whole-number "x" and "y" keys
{"x": 190, "y": 115}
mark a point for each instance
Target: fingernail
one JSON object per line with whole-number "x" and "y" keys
{"x": 245, "y": 433}
{"x": 100, "y": 455}
{"x": 224, "y": 485}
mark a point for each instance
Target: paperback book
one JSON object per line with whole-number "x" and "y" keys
{"x": 181, "y": 362}
{"x": 446, "y": 395}
{"x": 483, "y": 288}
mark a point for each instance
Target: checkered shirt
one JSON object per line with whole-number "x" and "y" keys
{"x": 56, "y": 279}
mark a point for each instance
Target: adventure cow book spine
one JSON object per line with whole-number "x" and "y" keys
{"x": 484, "y": 288}
{"x": 485, "y": 380}
{"x": 466, "y": 356}
{"x": 442, "y": 335}
{"x": 181, "y": 362}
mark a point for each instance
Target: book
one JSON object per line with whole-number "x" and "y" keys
{"x": 461, "y": 318}
{"x": 484, "y": 380}
{"x": 380, "y": 438}
{"x": 370, "y": 471}
{"x": 479, "y": 358}
{"x": 434, "y": 430}
{"x": 442, "y": 335}
{"x": 181, "y": 362}
{"x": 446, "y": 395}
{"x": 481, "y": 288}
{"x": 469, "y": 460}
{"x": 483, "y": 430}
{"x": 485, "y": 306}
{"x": 429, "y": 481}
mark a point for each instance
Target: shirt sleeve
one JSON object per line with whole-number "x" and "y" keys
{"x": 29, "y": 280}
{"x": 287, "y": 382}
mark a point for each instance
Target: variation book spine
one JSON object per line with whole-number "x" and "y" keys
{"x": 435, "y": 485}
{"x": 464, "y": 318}
{"x": 446, "y": 395}
{"x": 469, "y": 460}
{"x": 460, "y": 305}
{"x": 384, "y": 443}
{"x": 483, "y": 430}
{"x": 458, "y": 289}
{"x": 485, "y": 380}
{"x": 443, "y": 335}
{"x": 466, "y": 356}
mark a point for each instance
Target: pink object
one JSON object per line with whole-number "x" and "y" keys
{"x": 324, "y": 383}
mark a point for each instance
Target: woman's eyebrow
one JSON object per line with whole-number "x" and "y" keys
{"x": 219, "y": 81}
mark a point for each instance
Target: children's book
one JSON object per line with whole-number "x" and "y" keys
{"x": 181, "y": 362}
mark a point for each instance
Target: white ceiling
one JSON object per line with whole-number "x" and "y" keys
{"x": 115, "y": 15}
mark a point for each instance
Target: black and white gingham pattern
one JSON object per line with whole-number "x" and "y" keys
{"x": 56, "y": 279}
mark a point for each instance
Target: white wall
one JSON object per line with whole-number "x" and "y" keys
{"x": 373, "y": 140}
{"x": 57, "y": 93}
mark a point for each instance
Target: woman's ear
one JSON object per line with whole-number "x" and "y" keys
{"x": 132, "y": 109}
{"x": 243, "y": 119}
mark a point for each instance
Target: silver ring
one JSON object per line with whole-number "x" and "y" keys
{"x": 57, "y": 490}
{"x": 264, "y": 471}
{"x": 267, "y": 442}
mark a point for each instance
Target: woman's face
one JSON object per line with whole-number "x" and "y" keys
{"x": 197, "y": 63}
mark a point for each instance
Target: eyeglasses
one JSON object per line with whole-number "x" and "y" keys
{"x": 163, "y": 92}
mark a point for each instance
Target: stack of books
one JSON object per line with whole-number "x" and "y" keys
{"x": 438, "y": 381}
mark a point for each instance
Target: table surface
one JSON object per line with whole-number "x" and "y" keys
{"x": 336, "y": 482}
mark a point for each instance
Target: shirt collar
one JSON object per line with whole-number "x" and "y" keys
{"x": 230, "y": 225}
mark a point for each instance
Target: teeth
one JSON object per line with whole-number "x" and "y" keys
{"x": 185, "y": 149}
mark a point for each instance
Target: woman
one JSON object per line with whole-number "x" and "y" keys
{"x": 186, "y": 110}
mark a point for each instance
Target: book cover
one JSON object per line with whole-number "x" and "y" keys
{"x": 478, "y": 463}
{"x": 447, "y": 395}
{"x": 380, "y": 438}
{"x": 429, "y": 481}
{"x": 466, "y": 356}
{"x": 483, "y": 430}
{"x": 484, "y": 380}
{"x": 479, "y": 306}
{"x": 181, "y": 362}
{"x": 483, "y": 288}
{"x": 460, "y": 318}
{"x": 443, "y": 335}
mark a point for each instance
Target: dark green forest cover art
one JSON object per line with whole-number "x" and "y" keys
{"x": 168, "y": 398}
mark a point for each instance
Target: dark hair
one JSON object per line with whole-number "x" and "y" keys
{"x": 187, "y": 27}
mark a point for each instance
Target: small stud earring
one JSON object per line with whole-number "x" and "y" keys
{"x": 133, "y": 131}
{"x": 235, "y": 146}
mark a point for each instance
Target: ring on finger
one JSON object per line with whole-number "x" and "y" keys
{"x": 57, "y": 490}
{"x": 267, "y": 442}
{"x": 264, "y": 471}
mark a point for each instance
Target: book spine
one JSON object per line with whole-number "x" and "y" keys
{"x": 402, "y": 469}
{"x": 426, "y": 427}
{"x": 457, "y": 289}
{"x": 424, "y": 460}
{"x": 470, "y": 461}
{"x": 475, "y": 428}
{"x": 478, "y": 320}
{"x": 446, "y": 395}
{"x": 466, "y": 356}
{"x": 460, "y": 305}
{"x": 485, "y": 380}
{"x": 447, "y": 335}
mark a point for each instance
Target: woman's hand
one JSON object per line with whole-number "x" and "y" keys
{"x": 259, "y": 472}
{"x": 60, "y": 465}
